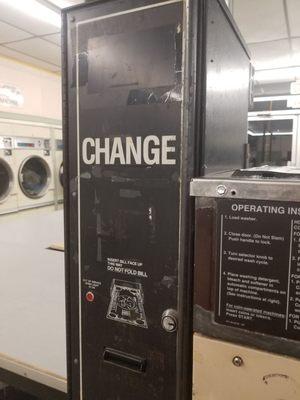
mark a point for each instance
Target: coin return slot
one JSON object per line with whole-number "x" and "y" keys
{"x": 124, "y": 360}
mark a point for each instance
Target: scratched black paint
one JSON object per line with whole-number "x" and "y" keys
{"x": 129, "y": 214}
{"x": 132, "y": 212}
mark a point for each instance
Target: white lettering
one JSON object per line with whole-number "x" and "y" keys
{"x": 134, "y": 151}
{"x": 165, "y": 150}
{"x": 154, "y": 151}
{"x": 150, "y": 150}
{"x": 99, "y": 150}
{"x": 259, "y": 209}
{"x": 85, "y": 143}
{"x": 117, "y": 152}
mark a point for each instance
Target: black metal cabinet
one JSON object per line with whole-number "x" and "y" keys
{"x": 140, "y": 120}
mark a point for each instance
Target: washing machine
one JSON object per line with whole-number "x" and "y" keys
{"x": 34, "y": 166}
{"x": 8, "y": 192}
{"x": 59, "y": 170}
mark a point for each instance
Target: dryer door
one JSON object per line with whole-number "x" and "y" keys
{"x": 34, "y": 177}
{"x": 6, "y": 179}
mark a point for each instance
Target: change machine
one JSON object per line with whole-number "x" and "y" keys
{"x": 155, "y": 93}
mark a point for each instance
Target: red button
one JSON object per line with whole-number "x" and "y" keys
{"x": 90, "y": 296}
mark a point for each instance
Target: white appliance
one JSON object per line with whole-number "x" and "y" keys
{"x": 34, "y": 164}
{"x": 59, "y": 189}
{"x": 8, "y": 187}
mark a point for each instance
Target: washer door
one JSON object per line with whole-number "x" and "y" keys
{"x": 61, "y": 174}
{"x": 6, "y": 179}
{"x": 34, "y": 177}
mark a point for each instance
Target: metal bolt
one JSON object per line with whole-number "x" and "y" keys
{"x": 75, "y": 361}
{"x": 72, "y": 19}
{"x": 221, "y": 190}
{"x": 237, "y": 361}
{"x": 74, "y": 194}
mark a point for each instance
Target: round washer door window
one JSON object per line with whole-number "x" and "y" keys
{"x": 34, "y": 177}
{"x": 6, "y": 179}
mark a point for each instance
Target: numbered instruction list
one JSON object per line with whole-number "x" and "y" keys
{"x": 259, "y": 267}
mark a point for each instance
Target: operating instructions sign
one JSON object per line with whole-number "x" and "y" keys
{"x": 258, "y": 274}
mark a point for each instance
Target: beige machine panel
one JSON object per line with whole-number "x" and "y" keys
{"x": 224, "y": 371}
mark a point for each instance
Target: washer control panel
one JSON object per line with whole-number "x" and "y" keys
{"x": 5, "y": 142}
{"x": 31, "y": 143}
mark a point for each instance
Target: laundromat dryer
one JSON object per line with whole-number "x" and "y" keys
{"x": 34, "y": 169}
{"x": 8, "y": 184}
{"x": 155, "y": 94}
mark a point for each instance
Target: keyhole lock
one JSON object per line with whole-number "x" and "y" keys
{"x": 169, "y": 320}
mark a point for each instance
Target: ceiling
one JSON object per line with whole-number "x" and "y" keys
{"x": 271, "y": 28}
{"x": 29, "y": 40}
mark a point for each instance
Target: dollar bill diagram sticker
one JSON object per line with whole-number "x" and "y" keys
{"x": 127, "y": 303}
